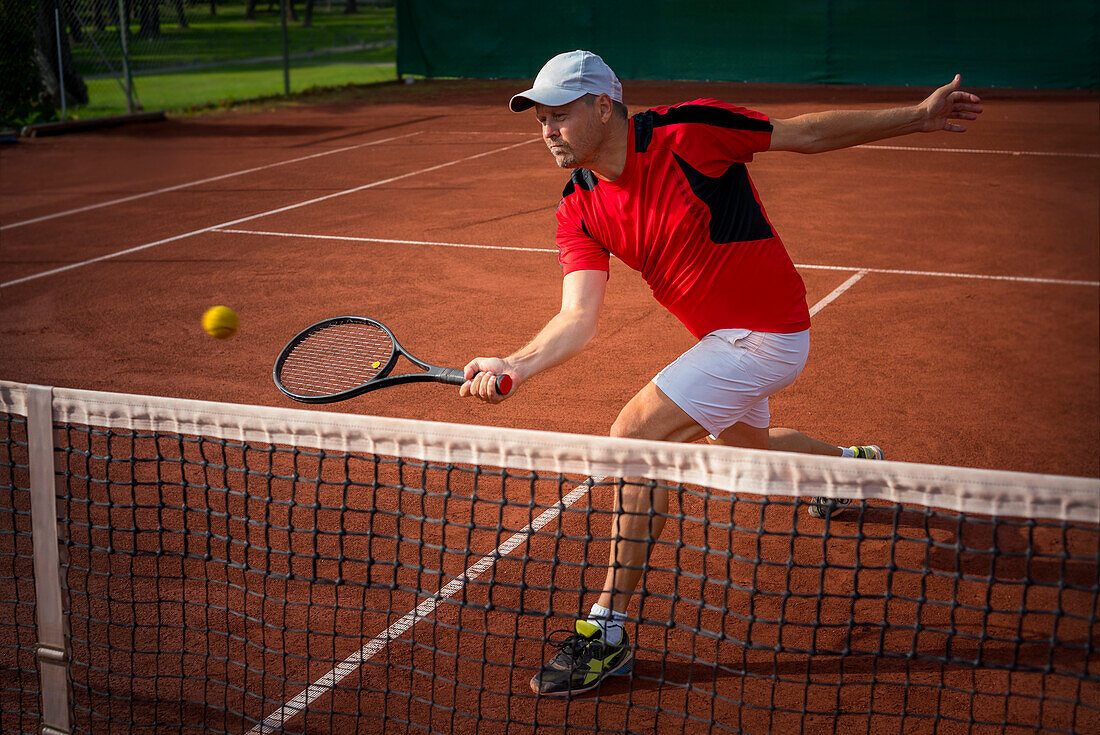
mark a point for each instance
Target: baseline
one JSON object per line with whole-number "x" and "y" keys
{"x": 990, "y": 151}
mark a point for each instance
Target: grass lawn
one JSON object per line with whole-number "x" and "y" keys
{"x": 225, "y": 86}
{"x": 225, "y": 58}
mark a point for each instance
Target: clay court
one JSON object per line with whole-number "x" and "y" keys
{"x": 969, "y": 340}
{"x": 954, "y": 282}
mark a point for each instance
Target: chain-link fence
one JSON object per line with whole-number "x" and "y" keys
{"x": 186, "y": 54}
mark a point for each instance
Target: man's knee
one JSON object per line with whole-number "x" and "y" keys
{"x": 626, "y": 424}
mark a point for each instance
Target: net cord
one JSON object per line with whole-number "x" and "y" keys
{"x": 958, "y": 489}
{"x": 51, "y": 648}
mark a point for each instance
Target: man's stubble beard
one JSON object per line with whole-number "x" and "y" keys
{"x": 565, "y": 158}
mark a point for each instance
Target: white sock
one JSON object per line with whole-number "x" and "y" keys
{"x": 610, "y": 622}
{"x": 848, "y": 452}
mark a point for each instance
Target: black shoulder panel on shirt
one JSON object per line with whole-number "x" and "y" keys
{"x": 581, "y": 177}
{"x": 584, "y": 178}
{"x": 644, "y": 122}
{"x": 735, "y": 215}
{"x": 709, "y": 115}
{"x": 643, "y": 130}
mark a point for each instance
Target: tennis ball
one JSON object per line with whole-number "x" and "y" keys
{"x": 220, "y": 322}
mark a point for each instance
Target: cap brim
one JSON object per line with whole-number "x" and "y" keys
{"x": 549, "y": 96}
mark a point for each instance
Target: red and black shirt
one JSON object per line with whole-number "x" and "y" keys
{"x": 685, "y": 214}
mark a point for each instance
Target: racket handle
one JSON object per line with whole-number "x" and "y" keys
{"x": 454, "y": 376}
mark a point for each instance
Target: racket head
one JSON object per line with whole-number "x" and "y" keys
{"x": 335, "y": 359}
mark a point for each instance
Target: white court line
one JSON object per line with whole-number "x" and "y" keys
{"x": 484, "y": 132}
{"x": 892, "y": 271}
{"x": 274, "y": 722}
{"x": 941, "y": 274}
{"x": 1052, "y": 154}
{"x": 392, "y": 242}
{"x": 177, "y": 187}
{"x": 836, "y": 292}
{"x": 287, "y": 208}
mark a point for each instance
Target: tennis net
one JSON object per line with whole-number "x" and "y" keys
{"x": 193, "y": 567}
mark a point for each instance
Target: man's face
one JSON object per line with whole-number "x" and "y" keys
{"x": 572, "y": 132}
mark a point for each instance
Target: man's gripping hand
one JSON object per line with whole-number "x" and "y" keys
{"x": 481, "y": 377}
{"x": 949, "y": 103}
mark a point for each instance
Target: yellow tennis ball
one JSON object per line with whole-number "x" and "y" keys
{"x": 220, "y": 322}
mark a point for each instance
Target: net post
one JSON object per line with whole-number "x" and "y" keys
{"x": 51, "y": 650}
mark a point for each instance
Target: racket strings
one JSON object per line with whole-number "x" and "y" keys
{"x": 335, "y": 358}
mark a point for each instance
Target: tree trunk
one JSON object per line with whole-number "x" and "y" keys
{"x": 149, "y": 19}
{"x": 70, "y": 18}
{"x": 250, "y": 10}
{"x": 350, "y": 8}
{"x": 181, "y": 17}
{"x": 97, "y": 15}
{"x": 21, "y": 91}
{"x": 307, "y": 21}
{"x": 45, "y": 54}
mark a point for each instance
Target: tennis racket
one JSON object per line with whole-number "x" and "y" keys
{"x": 346, "y": 356}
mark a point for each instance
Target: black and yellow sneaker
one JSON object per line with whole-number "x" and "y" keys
{"x": 582, "y": 662}
{"x": 829, "y": 507}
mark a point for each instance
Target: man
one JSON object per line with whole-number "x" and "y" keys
{"x": 667, "y": 192}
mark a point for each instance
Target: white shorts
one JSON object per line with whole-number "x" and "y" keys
{"x": 728, "y": 376}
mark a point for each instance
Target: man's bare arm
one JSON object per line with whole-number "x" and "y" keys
{"x": 564, "y": 336}
{"x": 817, "y": 132}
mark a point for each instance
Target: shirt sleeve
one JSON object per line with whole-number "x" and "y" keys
{"x": 710, "y": 135}
{"x": 577, "y": 249}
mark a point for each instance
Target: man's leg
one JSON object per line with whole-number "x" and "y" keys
{"x": 789, "y": 440}
{"x": 599, "y": 647}
{"x": 641, "y": 509}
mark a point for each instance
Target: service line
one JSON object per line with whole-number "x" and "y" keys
{"x": 345, "y": 192}
{"x": 804, "y": 266}
{"x": 200, "y": 182}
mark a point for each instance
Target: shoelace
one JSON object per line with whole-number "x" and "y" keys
{"x": 574, "y": 644}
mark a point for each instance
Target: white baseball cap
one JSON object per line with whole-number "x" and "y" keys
{"x": 568, "y": 77}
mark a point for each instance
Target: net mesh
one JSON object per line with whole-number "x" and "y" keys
{"x": 236, "y": 569}
{"x": 19, "y": 709}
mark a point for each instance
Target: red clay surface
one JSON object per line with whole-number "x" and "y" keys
{"x": 937, "y": 368}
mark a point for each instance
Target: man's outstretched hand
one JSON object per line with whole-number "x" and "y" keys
{"x": 950, "y": 103}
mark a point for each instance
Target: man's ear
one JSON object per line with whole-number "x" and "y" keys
{"x": 607, "y": 107}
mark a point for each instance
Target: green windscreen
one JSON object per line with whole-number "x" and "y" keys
{"x": 1012, "y": 43}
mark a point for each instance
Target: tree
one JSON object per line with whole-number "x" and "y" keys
{"x": 98, "y": 8}
{"x": 350, "y": 8}
{"x": 45, "y": 55}
{"x": 181, "y": 17}
{"x": 148, "y": 12}
{"x": 272, "y": 5}
{"x": 21, "y": 90}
